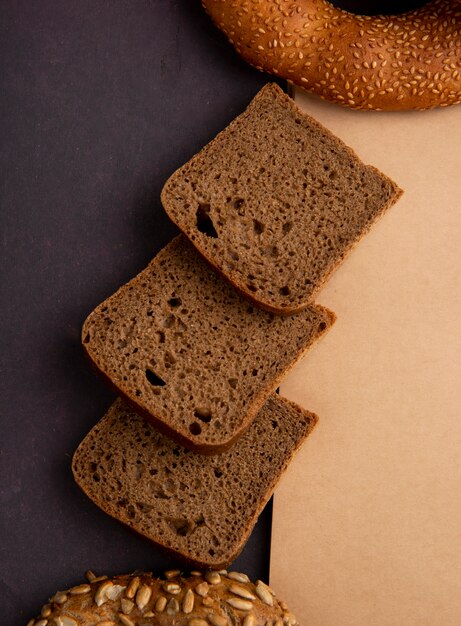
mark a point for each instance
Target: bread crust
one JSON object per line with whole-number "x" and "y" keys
{"x": 201, "y": 599}
{"x": 386, "y": 63}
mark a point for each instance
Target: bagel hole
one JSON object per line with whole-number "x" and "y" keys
{"x": 378, "y": 7}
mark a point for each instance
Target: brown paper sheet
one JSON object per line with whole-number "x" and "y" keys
{"x": 367, "y": 521}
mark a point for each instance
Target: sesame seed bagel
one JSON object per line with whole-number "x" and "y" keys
{"x": 408, "y": 61}
{"x": 201, "y": 599}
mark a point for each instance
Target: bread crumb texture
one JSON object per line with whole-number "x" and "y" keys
{"x": 276, "y": 201}
{"x": 190, "y": 353}
{"x": 203, "y": 508}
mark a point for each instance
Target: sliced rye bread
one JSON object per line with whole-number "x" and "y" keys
{"x": 276, "y": 201}
{"x": 201, "y": 508}
{"x": 189, "y": 353}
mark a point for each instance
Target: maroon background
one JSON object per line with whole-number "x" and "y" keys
{"x": 101, "y": 101}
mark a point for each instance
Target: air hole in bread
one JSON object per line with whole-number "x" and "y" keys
{"x": 169, "y": 321}
{"x": 161, "y": 336}
{"x": 238, "y": 204}
{"x": 287, "y": 227}
{"x": 217, "y": 472}
{"x": 200, "y": 521}
{"x": 195, "y": 428}
{"x": 258, "y": 227}
{"x": 233, "y": 383}
{"x": 87, "y": 338}
{"x": 285, "y": 291}
{"x": 322, "y": 325}
{"x": 154, "y": 380}
{"x": 252, "y": 288}
{"x": 182, "y": 527}
{"x": 169, "y": 359}
{"x": 203, "y": 414}
{"x": 174, "y": 302}
{"x": 204, "y": 222}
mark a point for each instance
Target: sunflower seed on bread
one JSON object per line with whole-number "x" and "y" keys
{"x": 84, "y": 610}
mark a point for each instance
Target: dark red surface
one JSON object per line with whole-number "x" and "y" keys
{"x": 100, "y": 101}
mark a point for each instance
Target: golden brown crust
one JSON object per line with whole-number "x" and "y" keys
{"x": 202, "y": 599}
{"x": 408, "y": 61}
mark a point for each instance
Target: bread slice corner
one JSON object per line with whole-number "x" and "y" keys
{"x": 275, "y": 202}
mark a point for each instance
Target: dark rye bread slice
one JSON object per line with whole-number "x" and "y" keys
{"x": 189, "y": 353}
{"x": 276, "y": 201}
{"x": 201, "y": 508}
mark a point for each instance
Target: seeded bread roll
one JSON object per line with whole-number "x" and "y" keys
{"x": 276, "y": 201}
{"x": 382, "y": 62}
{"x": 190, "y": 354}
{"x": 202, "y": 508}
{"x": 201, "y": 599}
